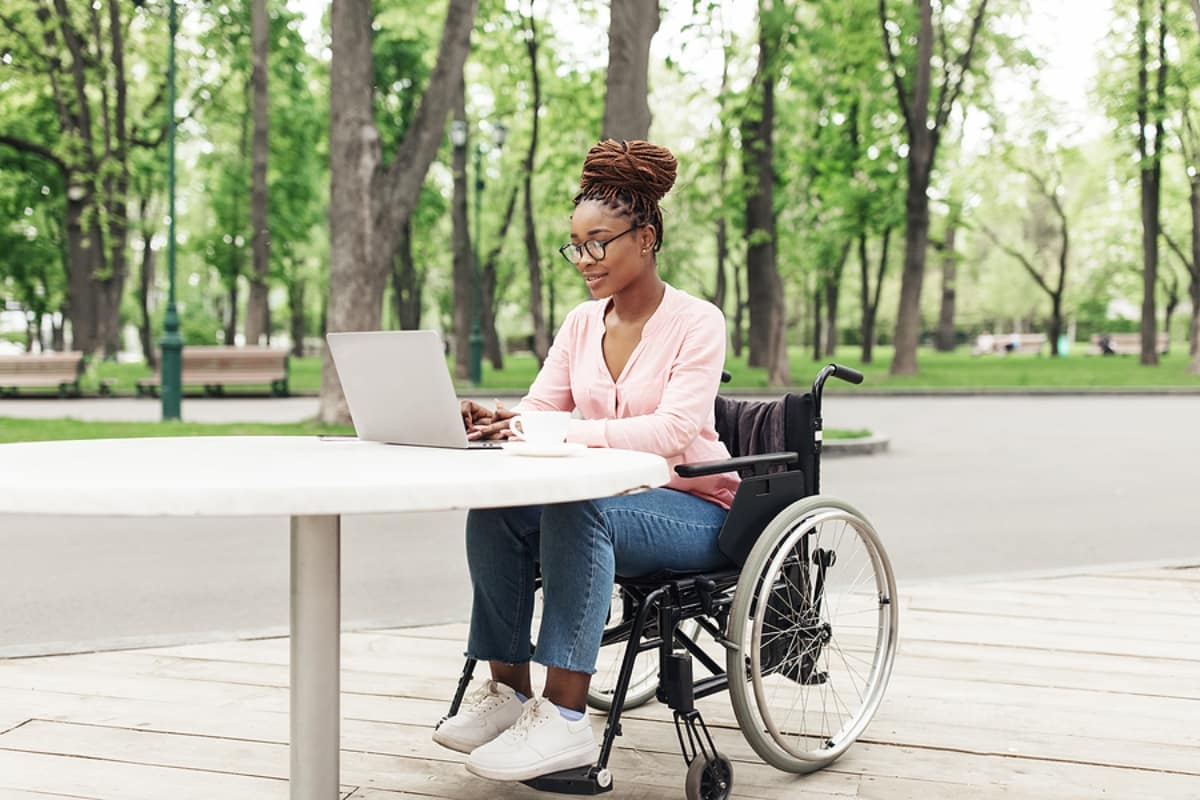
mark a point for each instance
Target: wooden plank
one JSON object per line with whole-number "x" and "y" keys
{"x": 1117, "y": 639}
{"x": 437, "y": 768}
{"x": 1106, "y": 585}
{"x": 993, "y": 601}
{"x": 91, "y": 778}
{"x": 1187, "y": 574}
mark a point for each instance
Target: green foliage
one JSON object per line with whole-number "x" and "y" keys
{"x": 840, "y": 150}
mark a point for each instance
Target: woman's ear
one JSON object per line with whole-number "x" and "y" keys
{"x": 646, "y": 238}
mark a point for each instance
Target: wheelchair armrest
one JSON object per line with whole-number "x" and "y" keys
{"x": 757, "y": 464}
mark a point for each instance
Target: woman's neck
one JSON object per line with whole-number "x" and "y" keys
{"x": 636, "y": 302}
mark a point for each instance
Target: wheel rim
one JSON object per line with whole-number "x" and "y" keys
{"x": 817, "y": 675}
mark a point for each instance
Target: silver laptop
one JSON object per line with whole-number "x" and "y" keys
{"x": 398, "y": 389}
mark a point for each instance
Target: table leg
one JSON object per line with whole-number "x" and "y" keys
{"x": 315, "y": 657}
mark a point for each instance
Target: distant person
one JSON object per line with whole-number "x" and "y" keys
{"x": 1106, "y": 348}
{"x": 1014, "y": 343}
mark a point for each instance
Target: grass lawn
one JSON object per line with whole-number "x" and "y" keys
{"x": 44, "y": 430}
{"x": 947, "y": 371}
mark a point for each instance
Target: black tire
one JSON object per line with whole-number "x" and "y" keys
{"x": 709, "y": 779}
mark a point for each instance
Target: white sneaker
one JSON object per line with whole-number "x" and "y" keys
{"x": 540, "y": 742}
{"x": 484, "y": 714}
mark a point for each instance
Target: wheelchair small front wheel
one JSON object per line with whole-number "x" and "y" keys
{"x": 813, "y": 626}
{"x": 709, "y": 779}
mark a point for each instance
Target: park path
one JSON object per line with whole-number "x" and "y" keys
{"x": 969, "y": 487}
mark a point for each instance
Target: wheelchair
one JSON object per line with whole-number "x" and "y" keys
{"x": 805, "y": 615}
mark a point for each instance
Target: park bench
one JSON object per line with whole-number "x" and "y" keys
{"x": 1127, "y": 344}
{"x": 42, "y": 369}
{"x": 215, "y": 367}
{"x": 1009, "y": 343}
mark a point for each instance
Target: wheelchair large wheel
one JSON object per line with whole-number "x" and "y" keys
{"x": 643, "y": 683}
{"x": 813, "y": 627}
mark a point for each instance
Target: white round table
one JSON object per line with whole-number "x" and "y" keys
{"x": 314, "y": 482}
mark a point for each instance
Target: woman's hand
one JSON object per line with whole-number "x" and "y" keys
{"x": 481, "y": 423}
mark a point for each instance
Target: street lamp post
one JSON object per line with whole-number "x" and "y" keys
{"x": 171, "y": 342}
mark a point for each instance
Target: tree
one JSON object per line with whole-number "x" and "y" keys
{"x": 80, "y": 51}
{"x": 632, "y": 26}
{"x": 541, "y": 334}
{"x": 464, "y": 256}
{"x": 764, "y": 287}
{"x": 1047, "y": 205}
{"x": 924, "y": 127}
{"x": 945, "y": 340}
{"x": 257, "y": 313}
{"x": 1187, "y": 129}
{"x": 1151, "y": 113}
{"x": 370, "y": 199}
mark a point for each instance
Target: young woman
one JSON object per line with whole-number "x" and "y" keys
{"x": 641, "y": 364}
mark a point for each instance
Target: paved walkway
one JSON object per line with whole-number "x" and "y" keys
{"x": 1070, "y": 688}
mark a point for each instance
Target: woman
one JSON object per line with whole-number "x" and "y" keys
{"x": 641, "y": 363}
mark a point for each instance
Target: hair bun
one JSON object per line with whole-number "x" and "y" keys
{"x": 635, "y": 166}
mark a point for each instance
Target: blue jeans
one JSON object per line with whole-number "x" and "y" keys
{"x": 581, "y": 546}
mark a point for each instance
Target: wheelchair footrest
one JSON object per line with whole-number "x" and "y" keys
{"x": 581, "y": 780}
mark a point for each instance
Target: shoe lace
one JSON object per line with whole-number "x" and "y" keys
{"x": 530, "y": 718}
{"x": 484, "y": 697}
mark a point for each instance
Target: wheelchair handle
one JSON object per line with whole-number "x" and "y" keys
{"x": 847, "y": 374}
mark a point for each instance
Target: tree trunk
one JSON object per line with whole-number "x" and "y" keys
{"x": 237, "y": 253}
{"x": 632, "y": 24}
{"x": 464, "y": 266}
{"x": 923, "y": 136}
{"x": 721, "y": 287}
{"x": 870, "y": 303}
{"x": 1151, "y": 173}
{"x": 368, "y": 202}
{"x": 492, "y": 350}
{"x": 353, "y": 160}
{"x": 145, "y": 285}
{"x": 817, "y": 326}
{"x": 81, "y": 300}
{"x": 407, "y": 282}
{"x": 764, "y": 288}
{"x": 260, "y": 238}
{"x": 921, "y": 151}
{"x": 945, "y": 341}
{"x": 738, "y": 339}
{"x": 833, "y": 291}
{"x": 295, "y": 292}
{"x": 1194, "y": 283}
{"x": 541, "y": 336}
{"x": 231, "y": 318}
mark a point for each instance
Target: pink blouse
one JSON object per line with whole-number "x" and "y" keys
{"x": 662, "y": 402}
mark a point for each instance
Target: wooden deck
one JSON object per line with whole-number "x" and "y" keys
{"x": 1082, "y": 687}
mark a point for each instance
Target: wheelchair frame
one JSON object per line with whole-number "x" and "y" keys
{"x": 655, "y": 605}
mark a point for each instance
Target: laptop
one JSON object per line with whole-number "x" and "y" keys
{"x": 399, "y": 390}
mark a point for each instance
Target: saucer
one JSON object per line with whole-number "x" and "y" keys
{"x": 520, "y": 448}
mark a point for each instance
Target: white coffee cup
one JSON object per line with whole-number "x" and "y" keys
{"x": 541, "y": 427}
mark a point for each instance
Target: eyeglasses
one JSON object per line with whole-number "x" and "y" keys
{"x": 595, "y": 249}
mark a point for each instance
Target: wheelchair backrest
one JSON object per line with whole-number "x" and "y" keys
{"x": 753, "y": 427}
